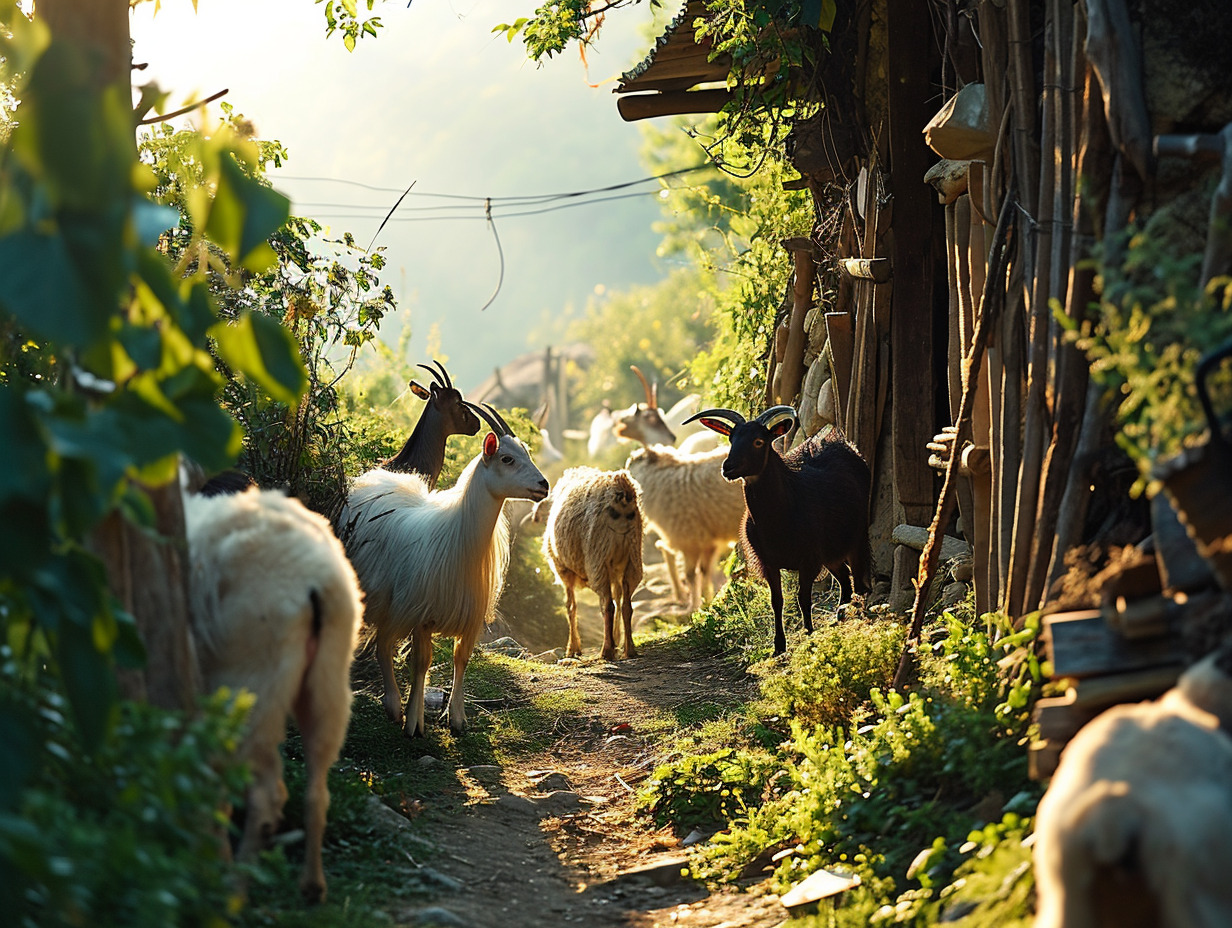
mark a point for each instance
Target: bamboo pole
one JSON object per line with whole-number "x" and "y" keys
{"x": 989, "y": 312}
{"x": 1055, "y": 464}
{"x": 1038, "y": 262}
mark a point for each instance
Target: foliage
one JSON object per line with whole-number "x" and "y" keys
{"x": 331, "y": 304}
{"x": 658, "y": 328}
{"x": 343, "y": 16}
{"x": 831, "y": 673}
{"x": 125, "y": 835}
{"x": 892, "y": 791}
{"x": 732, "y": 372}
{"x": 1154, "y": 324}
{"x": 105, "y": 376}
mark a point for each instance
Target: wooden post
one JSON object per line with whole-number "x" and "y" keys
{"x": 909, "y": 59}
{"x": 792, "y": 371}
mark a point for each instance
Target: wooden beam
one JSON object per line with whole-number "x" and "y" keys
{"x": 672, "y": 103}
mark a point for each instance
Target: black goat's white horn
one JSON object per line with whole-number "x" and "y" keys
{"x": 489, "y": 415}
{"x": 730, "y": 414}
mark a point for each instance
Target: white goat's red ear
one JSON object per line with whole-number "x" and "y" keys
{"x": 721, "y": 426}
{"x": 782, "y": 428}
{"x": 490, "y": 444}
{"x": 419, "y": 390}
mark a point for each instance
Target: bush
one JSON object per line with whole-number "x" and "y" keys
{"x": 131, "y": 834}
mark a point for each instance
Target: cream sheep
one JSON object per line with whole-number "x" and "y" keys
{"x": 434, "y": 561}
{"x": 594, "y": 537}
{"x": 692, "y": 508}
{"x": 275, "y": 609}
{"x": 1136, "y": 826}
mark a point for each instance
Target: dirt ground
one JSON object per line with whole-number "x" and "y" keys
{"x": 553, "y": 840}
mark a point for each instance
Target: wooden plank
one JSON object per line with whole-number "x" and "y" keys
{"x": 1080, "y": 645}
{"x": 1058, "y": 718}
{"x": 1099, "y": 693}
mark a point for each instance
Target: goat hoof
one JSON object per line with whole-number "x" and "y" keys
{"x": 608, "y": 654}
{"x": 630, "y": 652}
{"x": 312, "y": 892}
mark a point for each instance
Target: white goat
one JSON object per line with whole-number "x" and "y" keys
{"x": 275, "y": 609}
{"x": 692, "y": 508}
{"x": 1135, "y": 827}
{"x": 594, "y": 537}
{"x": 434, "y": 561}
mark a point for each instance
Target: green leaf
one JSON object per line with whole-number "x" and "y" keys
{"x": 88, "y": 681}
{"x": 43, "y": 292}
{"x": 349, "y": 41}
{"x": 265, "y": 352}
{"x": 243, "y": 214}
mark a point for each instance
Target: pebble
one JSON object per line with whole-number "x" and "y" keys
{"x": 438, "y": 917}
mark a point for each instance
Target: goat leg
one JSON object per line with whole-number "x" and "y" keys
{"x": 392, "y": 695}
{"x": 775, "y": 581}
{"x": 457, "y": 695}
{"x": 421, "y": 661}
{"x": 804, "y": 599}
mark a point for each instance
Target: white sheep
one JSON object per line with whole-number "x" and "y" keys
{"x": 434, "y": 561}
{"x": 594, "y": 537}
{"x": 692, "y": 508}
{"x": 1136, "y": 826}
{"x": 275, "y": 609}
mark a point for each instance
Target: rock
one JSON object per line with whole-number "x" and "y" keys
{"x": 436, "y": 878}
{"x": 385, "y": 819}
{"x": 428, "y": 760}
{"x": 518, "y": 805}
{"x": 549, "y": 781}
{"x": 549, "y": 657}
{"x": 664, "y": 872}
{"x": 818, "y": 886}
{"x": 436, "y": 917}
{"x": 434, "y": 699}
{"x": 915, "y": 536}
{"x": 953, "y": 593}
{"x": 507, "y": 646}
{"x": 694, "y": 837}
{"x": 827, "y": 405}
{"x": 486, "y": 773}
{"x": 560, "y": 802}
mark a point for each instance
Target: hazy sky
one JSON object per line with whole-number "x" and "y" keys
{"x": 440, "y": 100}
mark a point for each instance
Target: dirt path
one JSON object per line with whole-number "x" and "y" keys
{"x": 553, "y": 837}
{"x": 553, "y": 840}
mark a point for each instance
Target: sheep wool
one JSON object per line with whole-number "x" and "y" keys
{"x": 1133, "y": 830}
{"x": 275, "y": 609}
{"x": 692, "y": 508}
{"x": 594, "y": 537}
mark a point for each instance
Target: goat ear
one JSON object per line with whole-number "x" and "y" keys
{"x": 782, "y": 428}
{"x": 718, "y": 425}
{"x": 490, "y": 444}
{"x": 419, "y": 390}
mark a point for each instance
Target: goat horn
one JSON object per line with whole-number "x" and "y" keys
{"x": 650, "y": 394}
{"x": 444, "y": 373}
{"x": 436, "y": 377}
{"x": 496, "y": 422}
{"x": 499, "y": 418}
{"x": 774, "y": 412}
{"x": 730, "y": 414}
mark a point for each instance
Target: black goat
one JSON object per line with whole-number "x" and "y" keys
{"x": 806, "y": 510}
{"x": 446, "y": 414}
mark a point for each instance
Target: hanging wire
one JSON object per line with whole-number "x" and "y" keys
{"x": 500, "y": 280}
